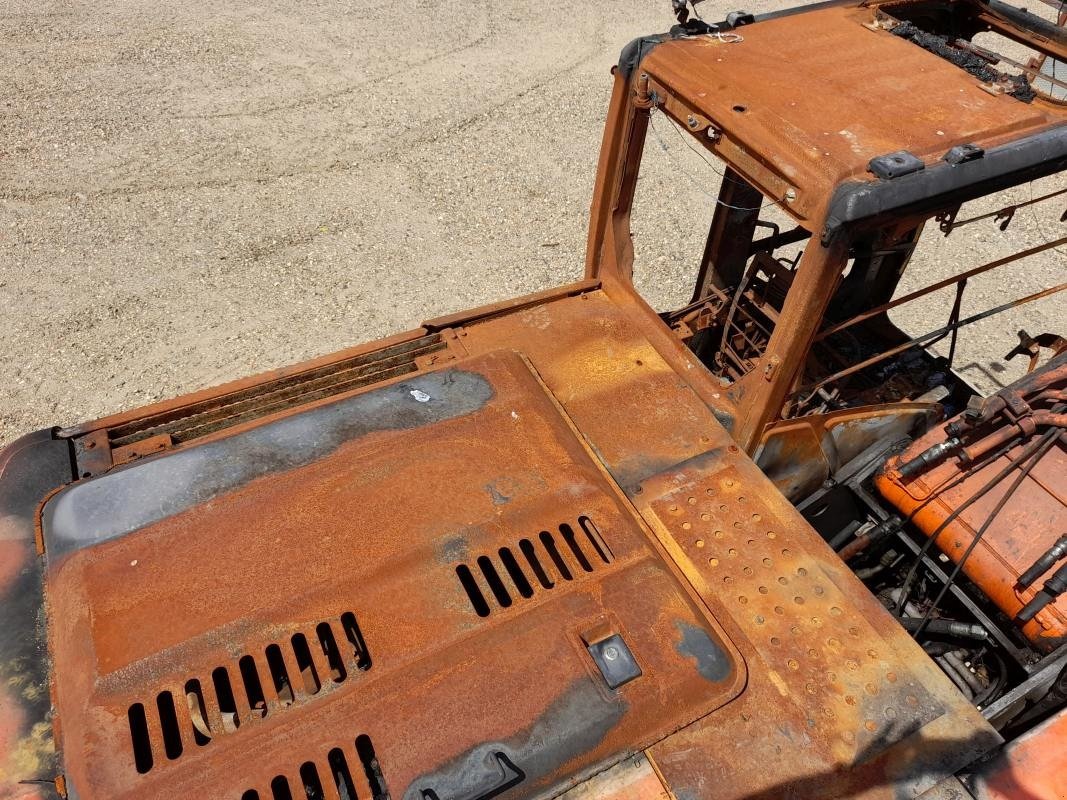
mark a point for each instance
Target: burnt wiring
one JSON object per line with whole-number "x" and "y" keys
{"x": 1037, "y": 220}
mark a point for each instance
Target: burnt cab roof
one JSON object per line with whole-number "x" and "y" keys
{"x": 801, "y": 104}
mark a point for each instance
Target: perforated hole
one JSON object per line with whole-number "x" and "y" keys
{"x": 194, "y": 697}
{"x": 335, "y": 780}
{"x": 474, "y": 592}
{"x": 279, "y": 788}
{"x": 227, "y": 704}
{"x": 342, "y": 777}
{"x": 518, "y": 577}
{"x": 360, "y": 651}
{"x": 253, "y": 687}
{"x": 549, "y": 543}
{"x": 496, "y": 586}
{"x": 142, "y": 744}
{"x": 209, "y": 702}
{"x": 575, "y": 551}
{"x": 309, "y": 777}
{"x": 332, "y": 652}
{"x": 371, "y": 768}
{"x": 603, "y": 550}
{"x": 283, "y": 687}
{"x": 168, "y": 722}
{"x": 530, "y": 553}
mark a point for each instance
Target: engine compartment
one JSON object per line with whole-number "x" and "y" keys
{"x": 957, "y": 530}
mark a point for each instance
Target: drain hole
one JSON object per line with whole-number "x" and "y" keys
{"x": 253, "y": 687}
{"x": 309, "y": 776}
{"x": 572, "y": 543}
{"x": 251, "y": 794}
{"x": 331, "y": 651}
{"x": 279, "y": 674}
{"x": 485, "y": 564}
{"x": 168, "y": 723}
{"x": 279, "y": 788}
{"x": 372, "y": 768}
{"x": 227, "y": 703}
{"x": 355, "y": 637}
{"x": 553, "y": 553}
{"x": 474, "y": 592}
{"x": 194, "y": 698}
{"x": 530, "y": 552}
{"x": 596, "y": 539}
{"x": 518, "y": 577}
{"x": 305, "y": 664}
{"x": 342, "y": 778}
{"x": 142, "y": 746}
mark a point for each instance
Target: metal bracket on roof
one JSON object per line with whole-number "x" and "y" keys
{"x": 893, "y": 165}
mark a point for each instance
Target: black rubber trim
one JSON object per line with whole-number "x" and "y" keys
{"x": 941, "y": 184}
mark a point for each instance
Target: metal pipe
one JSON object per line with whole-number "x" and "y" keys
{"x": 963, "y": 276}
{"x": 928, "y": 338}
{"x": 1024, "y": 427}
{"x": 954, "y": 675}
{"x": 964, "y": 671}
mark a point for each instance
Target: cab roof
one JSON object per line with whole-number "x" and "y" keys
{"x": 804, "y": 102}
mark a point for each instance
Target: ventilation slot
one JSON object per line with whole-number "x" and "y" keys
{"x": 279, "y": 788}
{"x": 195, "y": 420}
{"x": 194, "y": 697}
{"x": 257, "y": 703}
{"x": 168, "y": 721}
{"x": 316, "y": 781}
{"x": 142, "y": 745}
{"x": 220, "y": 703}
{"x": 305, "y": 664}
{"x": 355, "y": 638}
{"x": 542, "y": 562}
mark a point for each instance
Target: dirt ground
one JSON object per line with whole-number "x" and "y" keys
{"x": 193, "y": 191}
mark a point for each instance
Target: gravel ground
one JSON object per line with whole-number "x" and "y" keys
{"x": 194, "y": 191}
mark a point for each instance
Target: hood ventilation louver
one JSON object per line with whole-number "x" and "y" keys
{"x": 229, "y": 698}
{"x": 317, "y": 781}
{"x": 542, "y": 562}
{"x": 210, "y": 416}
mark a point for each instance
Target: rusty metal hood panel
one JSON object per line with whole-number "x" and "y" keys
{"x": 321, "y": 601}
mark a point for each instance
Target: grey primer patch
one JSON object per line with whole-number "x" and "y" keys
{"x": 712, "y": 662}
{"x": 498, "y": 497}
{"x": 574, "y": 724}
{"x": 122, "y": 501}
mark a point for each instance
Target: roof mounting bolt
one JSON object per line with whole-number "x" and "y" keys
{"x": 790, "y": 195}
{"x": 693, "y": 122}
